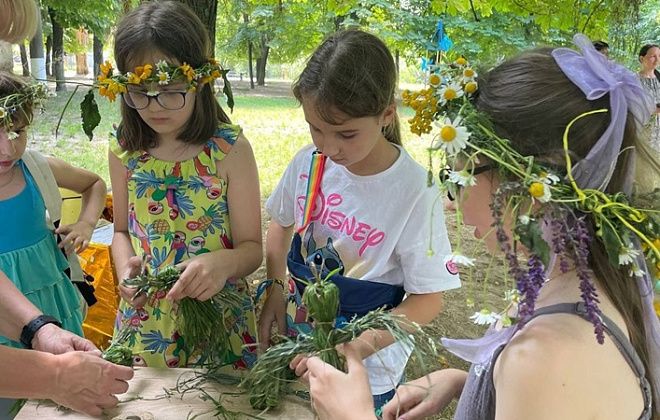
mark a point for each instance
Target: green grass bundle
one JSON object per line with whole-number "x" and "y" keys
{"x": 197, "y": 321}
{"x": 271, "y": 375}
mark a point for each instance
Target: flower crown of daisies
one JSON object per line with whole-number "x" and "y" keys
{"x": 31, "y": 96}
{"x": 111, "y": 84}
{"x": 630, "y": 232}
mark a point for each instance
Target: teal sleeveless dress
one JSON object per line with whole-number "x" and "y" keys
{"x": 29, "y": 256}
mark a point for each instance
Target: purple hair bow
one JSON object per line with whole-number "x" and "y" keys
{"x": 596, "y": 76}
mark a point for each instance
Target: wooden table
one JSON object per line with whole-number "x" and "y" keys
{"x": 151, "y": 385}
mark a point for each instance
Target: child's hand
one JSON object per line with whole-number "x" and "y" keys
{"x": 202, "y": 278}
{"x": 131, "y": 269}
{"x": 299, "y": 365}
{"x": 274, "y": 311}
{"x": 77, "y": 236}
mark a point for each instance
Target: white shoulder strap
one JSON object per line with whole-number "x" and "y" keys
{"x": 43, "y": 176}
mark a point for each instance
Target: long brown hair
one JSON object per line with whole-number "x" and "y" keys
{"x": 352, "y": 72}
{"x": 530, "y": 102}
{"x": 174, "y": 30}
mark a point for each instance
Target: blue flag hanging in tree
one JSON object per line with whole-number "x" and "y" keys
{"x": 439, "y": 41}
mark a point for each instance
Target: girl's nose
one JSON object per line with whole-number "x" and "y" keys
{"x": 7, "y": 147}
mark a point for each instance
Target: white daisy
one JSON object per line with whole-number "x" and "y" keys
{"x": 548, "y": 178}
{"x": 462, "y": 178}
{"x": 163, "y": 78}
{"x": 524, "y": 220}
{"x": 452, "y": 137}
{"x": 12, "y": 135}
{"x": 511, "y": 296}
{"x": 485, "y": 317}
{"x": 636, "y": 271}
{"x": 627, "y": 255}
{"x": 3, "y": 112}
{"x": 162, "y": 65}
{"x": 540, "y": 191}
{"x": 469, "y": 75}
{"x": 450, "y": 92}
{"x": 460, "y": 259}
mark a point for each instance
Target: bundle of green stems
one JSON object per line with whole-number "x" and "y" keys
{"x": 270, "y": 376}
{"x": 201, "y": 323}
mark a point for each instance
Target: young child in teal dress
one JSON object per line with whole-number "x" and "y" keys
{"x": 29, "y": 250}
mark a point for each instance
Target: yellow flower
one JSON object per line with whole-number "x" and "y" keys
{"x": 468, "y": 73}
{"x": 187, "y": 71}
{"x": 540, "y": 191}
{"x": 471, "y": 87}
{"x": 133, "y": 78}
{"x": 657, "y": 307}
{"x": 106, "y": 68}
{"x": 434, "y": 80}
{"x": 104, "y": 91}
{"x": 461, "y": 61}
{"x": 537, "y": 190}
{"x": 216, "y": 74}
{"x": 448, "y": 133}
{"x": 2, "y": 112}
{"x": 143, "y": 71}
{"x": 213, "y": 61}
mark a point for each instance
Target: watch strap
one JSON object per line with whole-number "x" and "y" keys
{"x": 29, "y": 331}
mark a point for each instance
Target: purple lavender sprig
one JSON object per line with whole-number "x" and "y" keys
{"x": 529, "y": 289}
{"x": 559, "y": 231}
{"x": 577, "y": 242}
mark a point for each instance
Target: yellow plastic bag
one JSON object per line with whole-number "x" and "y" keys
{"x": 98, "y": 326}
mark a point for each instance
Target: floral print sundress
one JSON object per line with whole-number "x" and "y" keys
{"x": 177, "y": 210}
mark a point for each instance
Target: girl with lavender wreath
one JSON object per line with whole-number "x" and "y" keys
{"x": 543, "y": 157}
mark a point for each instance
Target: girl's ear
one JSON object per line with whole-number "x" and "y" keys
{"x": 388, "y": 114}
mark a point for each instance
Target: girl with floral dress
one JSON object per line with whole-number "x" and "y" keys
{"x": 185, "y": 187}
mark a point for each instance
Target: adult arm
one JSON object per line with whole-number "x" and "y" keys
{"x": 93, "y": 191}
{"x": 78, "y": 380}
{"x": 206, "y": 274}
{"x": 278, "y": 239}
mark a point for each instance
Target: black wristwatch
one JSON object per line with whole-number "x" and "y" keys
{"x": 27, "y": 335}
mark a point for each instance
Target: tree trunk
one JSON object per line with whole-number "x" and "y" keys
{"x": 81, "y": 58}
{"x": 6, "y": 57}
{"x": 24, "y": 60}
{"x": 49, "y": 50}
{"x": 98, "y": 54}
{"x": 58, "y": 52}
{"x": 207, "y": 11}
{"x": 37, "y": 61}
{"x": 262, "y": 60}
{"x": 250, "y": 70}
{"x": 396, "y": 60}
{"x": 246, "y": 21}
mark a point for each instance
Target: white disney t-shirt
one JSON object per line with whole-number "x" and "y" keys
{"x": 379, "y": 228}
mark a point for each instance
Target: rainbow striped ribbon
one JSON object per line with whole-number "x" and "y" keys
{"x": 313, "y": 186}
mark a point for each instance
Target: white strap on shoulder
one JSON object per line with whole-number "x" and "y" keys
{"x": 43, "y": 176}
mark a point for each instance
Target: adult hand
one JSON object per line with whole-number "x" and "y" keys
{"x": 202, "y": 278}
{"x": 131, "y": 269}
{"x": 77, "y": 236}
{"x": 426, "y": 396}
{"x": 273, "y": 312}
{"x": 52, "y": 339}
{"x": 339, "y": 395}
{"x": 87, "y": 383}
